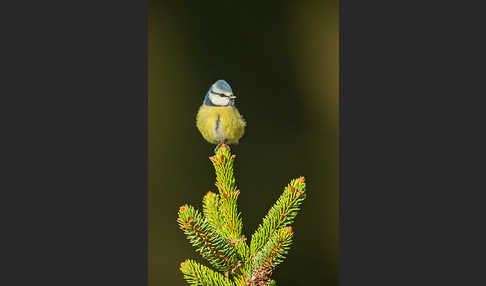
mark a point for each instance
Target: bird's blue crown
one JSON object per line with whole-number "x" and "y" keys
{"x": 222, "y": 85}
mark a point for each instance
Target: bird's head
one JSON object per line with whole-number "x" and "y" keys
{"x": 220, "y": 94}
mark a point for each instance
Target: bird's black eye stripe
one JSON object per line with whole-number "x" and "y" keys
{"x": 220, "y": 94}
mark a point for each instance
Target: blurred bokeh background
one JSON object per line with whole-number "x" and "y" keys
{"x": 281, "y": 59}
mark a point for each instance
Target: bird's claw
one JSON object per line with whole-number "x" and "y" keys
{"x": 221, "y": 145}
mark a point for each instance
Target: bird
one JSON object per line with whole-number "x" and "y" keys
{"x": 218, "y": 119}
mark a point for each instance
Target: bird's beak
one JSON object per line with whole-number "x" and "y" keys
{"x": 232, "y": 97}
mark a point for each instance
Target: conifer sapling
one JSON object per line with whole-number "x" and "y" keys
{"x": 216, "y": 232}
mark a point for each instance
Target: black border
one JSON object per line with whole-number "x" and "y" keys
{"x": 410, "y": 121}
{"x": 76, "y": 136}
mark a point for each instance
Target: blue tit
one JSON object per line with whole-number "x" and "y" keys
{"x": 218, "y": 120}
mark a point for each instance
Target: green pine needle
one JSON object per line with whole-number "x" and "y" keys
{"x": 212, "y": 246}
{"x": 231, "y": 224}
{"x": 274, "y": 251}
{"x": 211, "y": 211}
{"x": 282, "y": 214}
{"x": 197, "y": 274}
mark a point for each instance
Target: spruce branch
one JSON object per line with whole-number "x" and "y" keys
{"x": 230, "y": 223}
{"x": 197, "y": 274}
{"x": 223, "y": 162}
{"x": 274, "y": 251}
{"x": 211, "y": 211}
{"x": 212, "y": 246}
{"x": 282, "y": 214}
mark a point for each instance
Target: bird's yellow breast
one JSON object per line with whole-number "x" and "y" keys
{"x": 219, "y": 124}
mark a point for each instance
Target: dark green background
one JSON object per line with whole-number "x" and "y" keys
{"x": 281, "y": 59}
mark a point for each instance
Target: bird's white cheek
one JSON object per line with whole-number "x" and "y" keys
{"x": 218, "y": 100}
